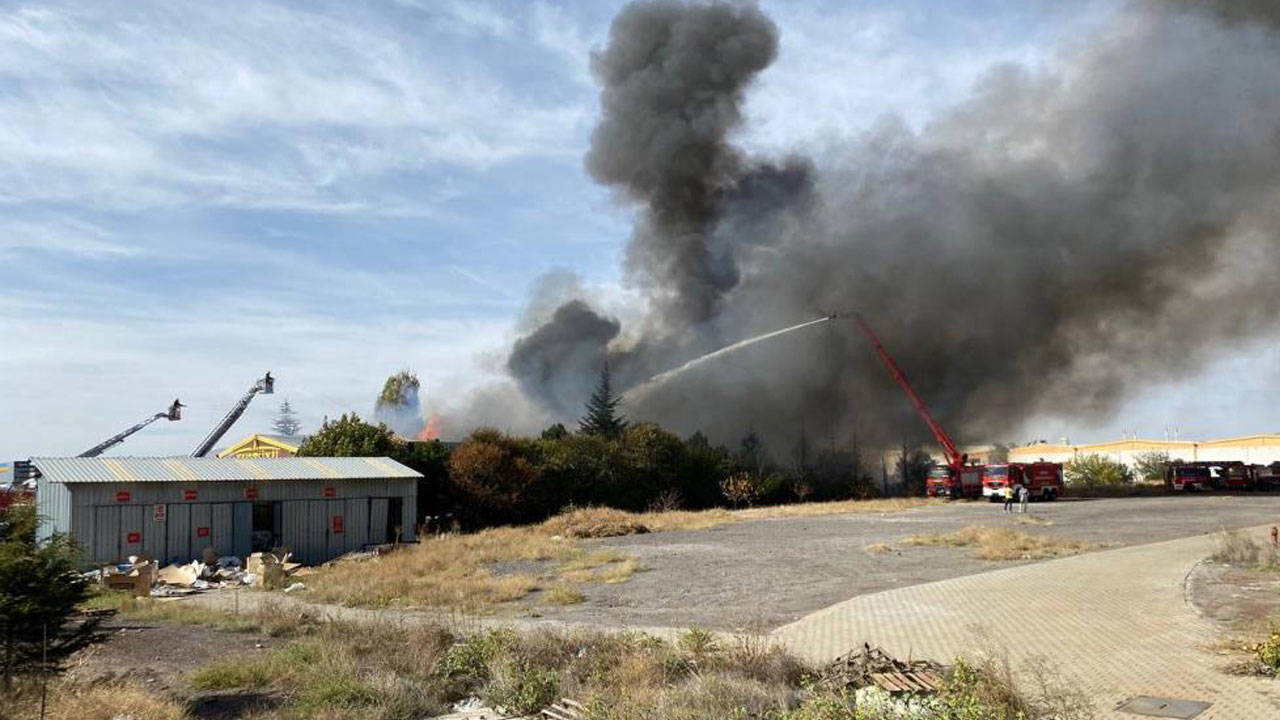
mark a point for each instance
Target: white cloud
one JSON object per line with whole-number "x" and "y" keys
{"x": 227, "y": 106}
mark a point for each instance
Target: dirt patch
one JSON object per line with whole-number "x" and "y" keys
{"x": 1238, "y": 598}
{"x": 158, "y": 656}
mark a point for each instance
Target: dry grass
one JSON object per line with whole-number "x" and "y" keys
{"x": 1032, "y": 519}
{"x": 563, "y": 594}
{"x": 878, "y": 548}
{"x": 457, "y": 571}
{"x": 620, "y": 572}
{"x": 608, "y": 522}
{"x": 1003, "y": 543}
{"x": 69, "y": 701}
{"x": 1234, "y": 547}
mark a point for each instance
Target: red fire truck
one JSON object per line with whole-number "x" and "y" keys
{"x": 1042, "y": 479}
{"x": 946, "y": 481}
{"x": 1188, "y": 476}
{"x": 958, "y": 478}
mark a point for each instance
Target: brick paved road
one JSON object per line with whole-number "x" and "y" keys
{"x": 1115, "y": 621}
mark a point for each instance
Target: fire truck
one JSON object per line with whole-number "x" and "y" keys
{"x": 1267, "y": 477}
{"x": 1189, "y": 477}
{"x": 1042, "y": 479}
{"x": 958, "y": 478}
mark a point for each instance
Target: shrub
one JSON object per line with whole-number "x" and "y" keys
{"x": 739, "y": 489}
{"x": 1150, "y": 466}
{"x": 520, "y": 687}
{"x": 1236, "y": 548}
{"x": 1267, "y": 652}
{"x": 1091, "y": 471}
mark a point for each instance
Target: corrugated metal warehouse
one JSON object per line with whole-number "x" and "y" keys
{"x": 172, "y": 508}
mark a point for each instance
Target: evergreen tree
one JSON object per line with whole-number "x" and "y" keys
{"x": 286, "y": 423}
{"x": 602, "y": 418}
{"x": 40, "y": 590}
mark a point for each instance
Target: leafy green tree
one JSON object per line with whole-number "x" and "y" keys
{"x": 555, "y": 432}
{"x": 286, "y": 422}
{"x": 1150, "y": 465}
{"x": 397, "y": 404}
{"x": 40, "y": 590}
{"x": 399, "y": 391}
{"x": 1090, "y": 471}
{"x": 602, "y": 416}
{"x": 349, "y": 436}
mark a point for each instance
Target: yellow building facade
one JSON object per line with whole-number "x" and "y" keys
{"x": 258, "y": 445}
{"x": 1251, "y": 449}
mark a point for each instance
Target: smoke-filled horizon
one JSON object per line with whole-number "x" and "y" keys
{"x": 1063, "y": 237}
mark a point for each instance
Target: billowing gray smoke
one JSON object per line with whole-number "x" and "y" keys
{"x": 1056, "y": 241}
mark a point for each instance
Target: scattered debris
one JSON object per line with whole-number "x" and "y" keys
{"x": 144, "y": 577}
{"x": 135, "y": 578}
{"x": 295, "y": 587}
{"x": 873, "y": 667}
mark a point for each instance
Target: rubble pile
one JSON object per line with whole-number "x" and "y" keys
{"x": 873, "y": 667}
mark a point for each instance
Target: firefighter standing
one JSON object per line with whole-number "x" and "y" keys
{"x": 1008, "y": 497}
{"x": 1024, "y": 495}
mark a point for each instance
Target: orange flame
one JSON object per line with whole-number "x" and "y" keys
{"x": 432, "y": 429}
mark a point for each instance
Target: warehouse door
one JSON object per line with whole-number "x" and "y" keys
{"x": 130, "y": 531}
{"x": 178, "y": 529}
{"x": 357, "y": 520}
{"x": 317, "y": 532}
{"x": 222, "y": 529}
{"x": 106, "y": 534}
{"x": 155, "y": 520}
{"x": 201, "y": 529}
{"x": 395, "y": 520}
{"x": 377, "y": 520}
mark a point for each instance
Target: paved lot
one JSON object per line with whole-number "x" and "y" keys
{"x": 767, "y": 573}
{"x": 1116, "y": 622}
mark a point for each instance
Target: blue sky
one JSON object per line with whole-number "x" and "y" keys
{"x": 192, "y": 194}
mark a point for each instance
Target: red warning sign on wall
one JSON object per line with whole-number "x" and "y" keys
{"x": 189, "y": 494}
{"x": 337, "y": 524}
{"x": 330, "y": 492}
{"x": 122, "y": 496}
{"x": 202, "y": 532}
{"x": 251, "y": 493}
{"x": 160, "y": 513}
{"x": 133, "y": 538}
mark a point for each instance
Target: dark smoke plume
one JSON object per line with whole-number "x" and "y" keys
{"x": 558, "y": 362}
{"x": 673, "y": 77}
{"x": 1050, "y": 245}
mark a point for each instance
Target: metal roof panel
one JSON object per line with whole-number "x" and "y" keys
{"x": 188, "y": 469}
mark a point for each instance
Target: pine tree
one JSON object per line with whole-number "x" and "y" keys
{"x": 40, "y": 591}
{"x": 602, "y": 416}
{"x": 286, "y": 423}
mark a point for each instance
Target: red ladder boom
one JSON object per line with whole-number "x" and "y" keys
{"x": 954, "y": 458}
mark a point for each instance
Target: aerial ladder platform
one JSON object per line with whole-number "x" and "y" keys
{"x": 264, "y": 386}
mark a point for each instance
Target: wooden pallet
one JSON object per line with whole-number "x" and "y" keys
{"x": 565, "y": 709}
{"x": 907, "y": 682}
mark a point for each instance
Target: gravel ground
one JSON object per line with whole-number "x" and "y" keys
{"x": 759, "y": 575}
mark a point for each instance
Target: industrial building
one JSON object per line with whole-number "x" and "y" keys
{"x": 171, "y": 508}
{"x": 1250, "y": 449}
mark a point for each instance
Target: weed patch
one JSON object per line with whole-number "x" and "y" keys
{"x": 1003, "y": 543}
